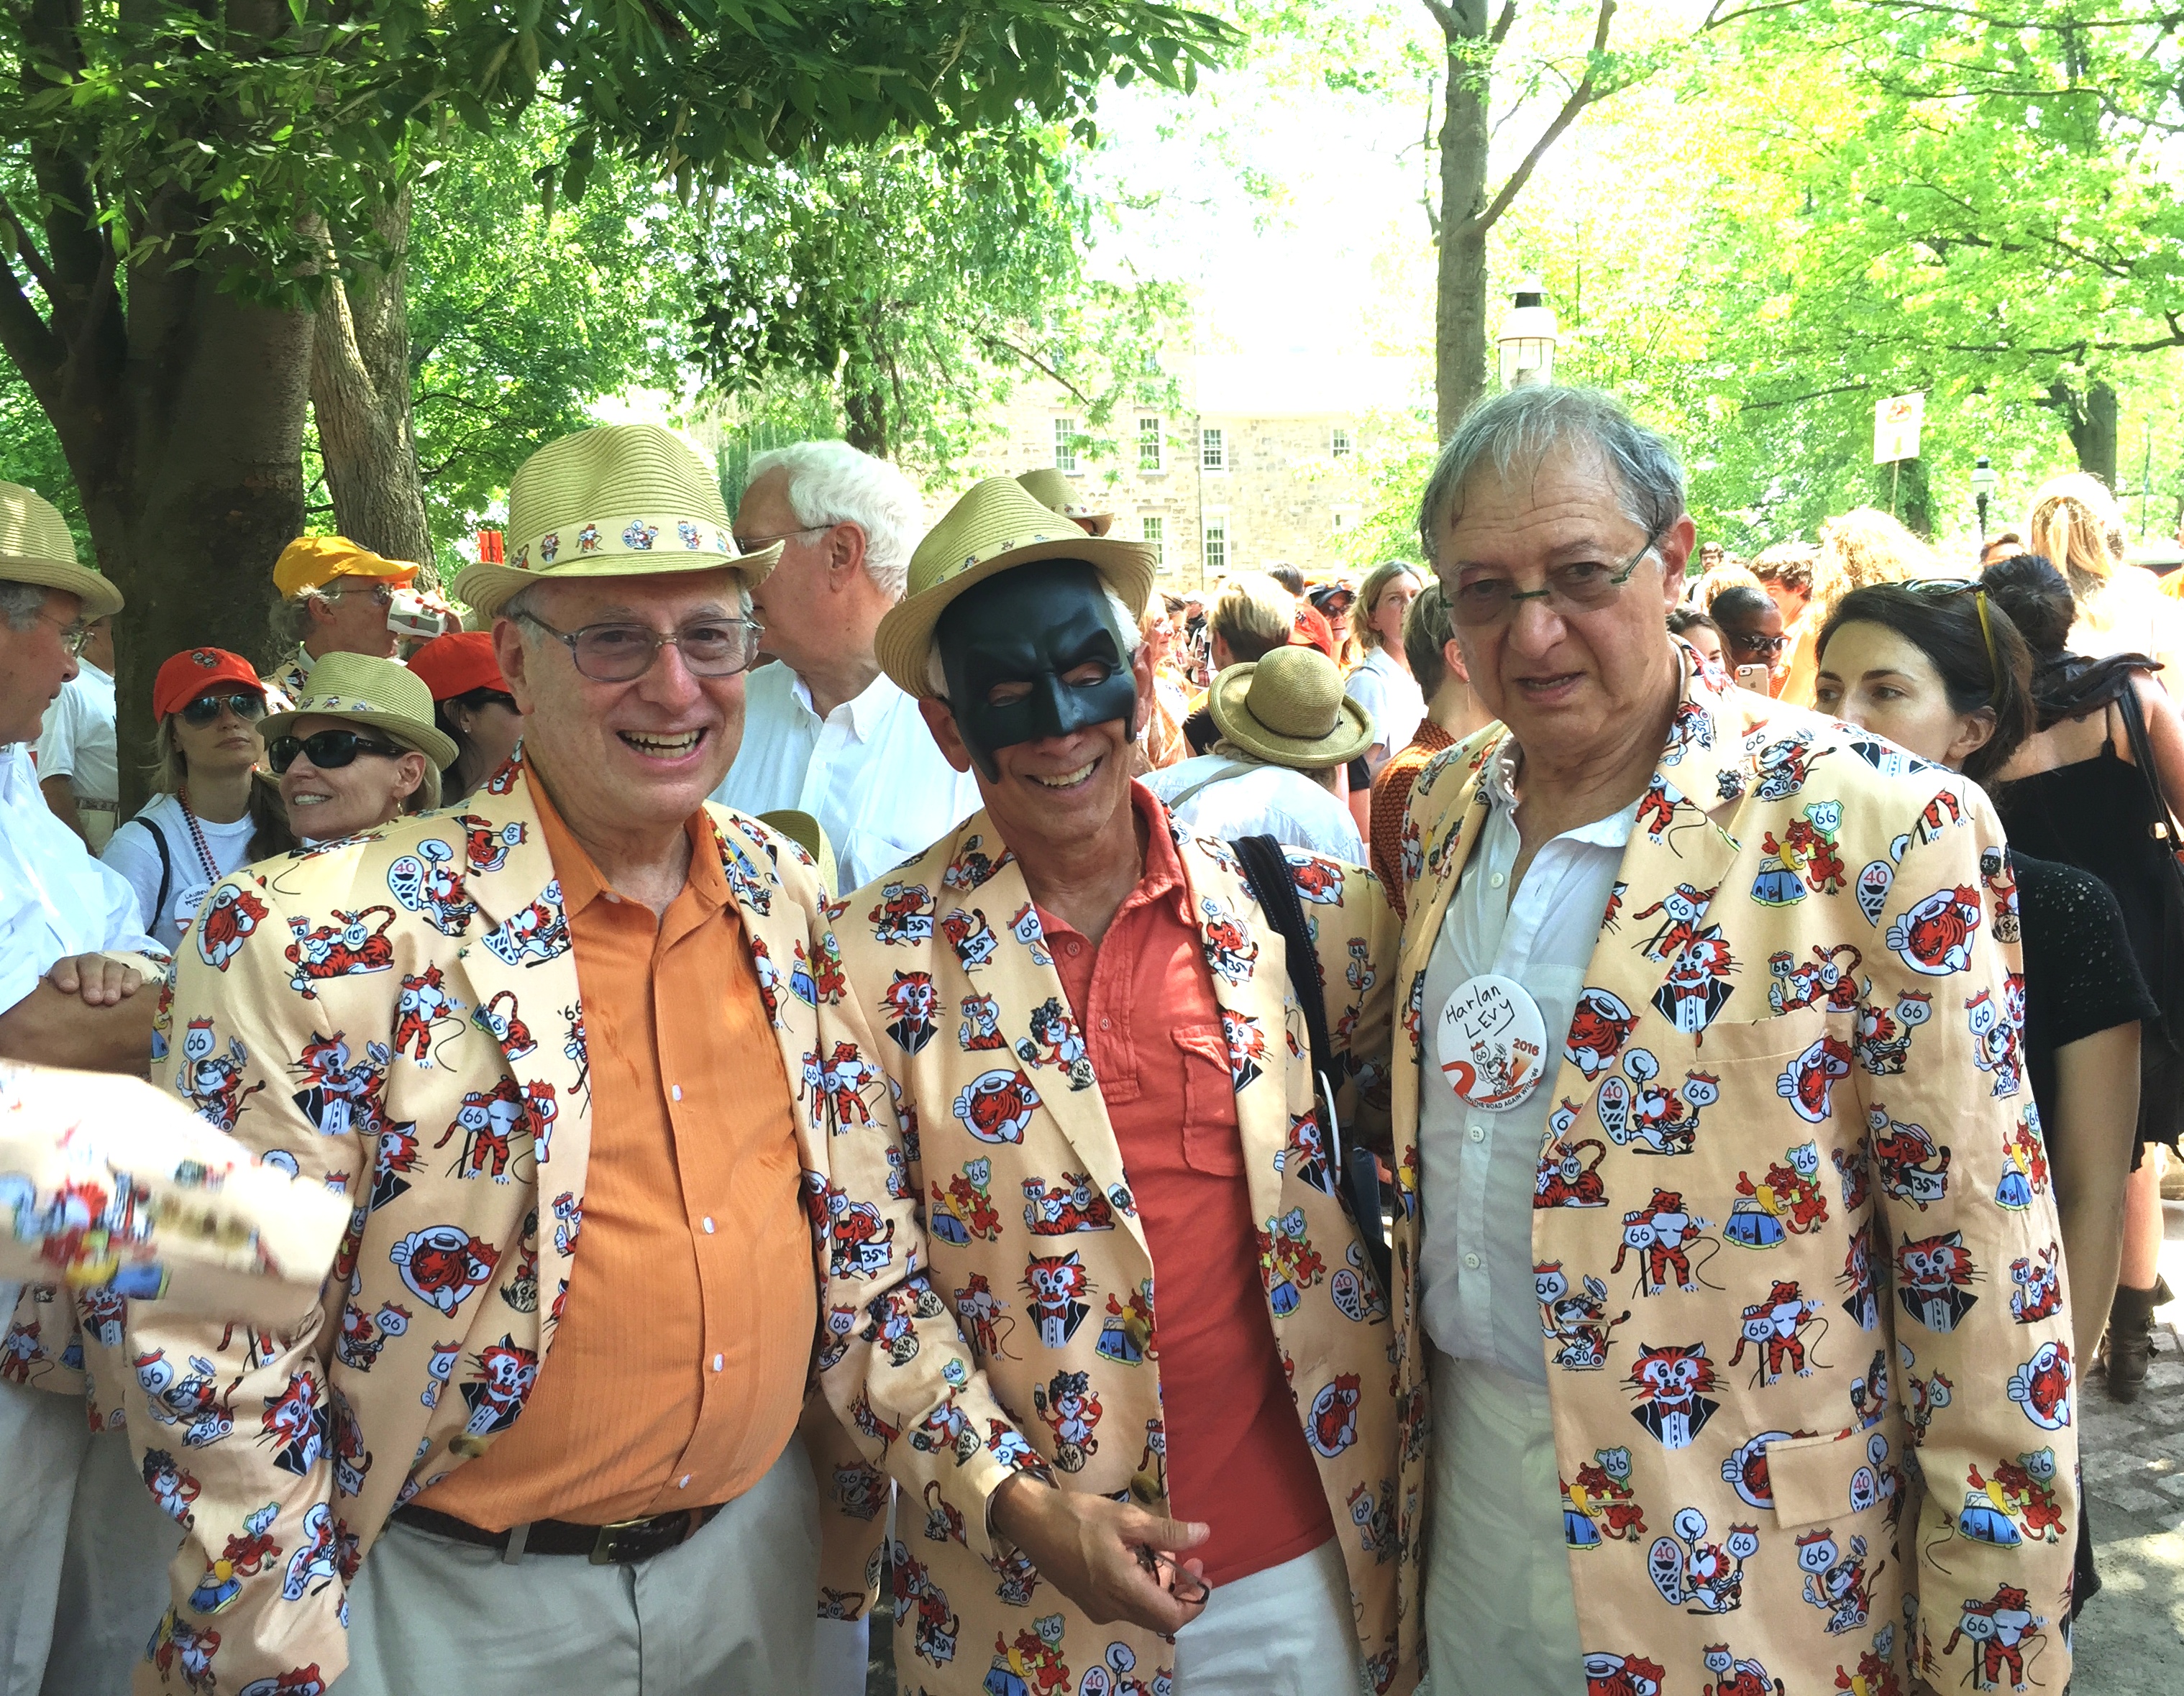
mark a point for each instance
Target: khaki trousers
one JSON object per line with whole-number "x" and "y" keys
{"x": 1500, "y": 1615}
{"x": 732, "y": 1612}
{"x": 84, "y": 1551}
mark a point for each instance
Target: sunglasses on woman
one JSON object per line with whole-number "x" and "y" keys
{"x": 327, "y": 750}
{"x": 246, "y": 704}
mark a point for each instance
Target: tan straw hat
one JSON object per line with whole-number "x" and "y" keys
{"x": 36, "y": 548}
{"x": 382, "y": 693}
{"x": 809, "y": 835}
{"x": 995, "y": 525}
{"x": 1288, "y": 708}
{"x": 1051, "y": 489}
{"x": 622, "y": 500}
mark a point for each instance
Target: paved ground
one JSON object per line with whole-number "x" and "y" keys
{"x": 2131, "y": 1637}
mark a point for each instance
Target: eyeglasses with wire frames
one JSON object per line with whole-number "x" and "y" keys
{"x": 75, "y": 632}
{"x": 752, "y": 544}
{"x": 381, "y": 592}
{"x": 246, "y": 704}
{"x": 623, "y": 652}
{"x": 1579, "y": 586}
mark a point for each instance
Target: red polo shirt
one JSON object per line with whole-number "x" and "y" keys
{"x": 1144, "y": 997}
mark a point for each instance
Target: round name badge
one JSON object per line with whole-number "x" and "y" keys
{"x": 187, "y": 903}
{"x": 1491, "y": 1042}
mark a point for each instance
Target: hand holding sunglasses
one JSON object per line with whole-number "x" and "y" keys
{"x": 328, "y": 750}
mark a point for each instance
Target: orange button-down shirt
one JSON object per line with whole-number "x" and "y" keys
{"x": 679, "y": 1368}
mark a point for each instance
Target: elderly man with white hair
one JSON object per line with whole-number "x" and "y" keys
{"x": 824, "y": 731}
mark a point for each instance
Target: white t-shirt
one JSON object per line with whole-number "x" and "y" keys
{"x": 1261, "y": 801}
{"x": 1392, "y": 695}
{"x": 55, "y": 899}
{"x": 77, "y": 740}
{"x": 134, "y": 853}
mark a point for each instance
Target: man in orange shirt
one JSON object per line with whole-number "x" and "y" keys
{"x": 575, "y": 1055}
{"x": 1453, "y": 713}
{"x": 1173, "y": 1370}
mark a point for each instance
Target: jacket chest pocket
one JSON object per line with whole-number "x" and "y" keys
{"x": 1210, "y": 1140}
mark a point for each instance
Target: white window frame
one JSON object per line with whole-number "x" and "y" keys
{"x": 1340, "y": 442}
{"x": 1213, "y": 536}
{"x": 1156, "y": 438}
{"x": 1066, "y": 435}
{"x": 1152, "y": 531}
{"x": 1212, "y": 448}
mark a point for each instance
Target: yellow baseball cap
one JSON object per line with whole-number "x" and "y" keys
{"x": 311, "y": 562}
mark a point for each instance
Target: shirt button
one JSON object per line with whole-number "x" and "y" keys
{"x": 683, "y": 1482}
{"x": 612, "y": 896}
{"x": 1479, "y": 1133}
{"x": 676, "y": 1091}
{"x": 1106, "y": 1024}
{"x": 1471, "y": 1263}
{"x": 1075, "y": 950}
{"x": 708, "y": 1224}
{"x": 1497, "y": 881}
{"x": 720, "y": 1361}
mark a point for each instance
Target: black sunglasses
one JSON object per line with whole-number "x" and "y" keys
{"x": 244, "y": 703}
{"x": 328, "y": 750}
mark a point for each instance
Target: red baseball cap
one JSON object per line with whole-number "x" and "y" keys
{"x": 198, "y": 671}
{"x": 455, "y": 665}
{"x": 1312, "y": 630}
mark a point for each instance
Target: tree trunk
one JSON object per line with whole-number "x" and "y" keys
{"x": 2091, "y": 420}
{"x": 360, "y": 397}
{"x": 863, "y": 408}
{"x": 1460, "y": 282}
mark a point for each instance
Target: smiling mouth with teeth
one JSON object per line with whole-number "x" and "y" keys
{"x": 1067, "y": 780}
{"x": 662, "y": 746}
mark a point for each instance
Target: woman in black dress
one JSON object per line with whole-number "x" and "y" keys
{"x": 1941, "y": 671}
{"x": 2077, "y": 792}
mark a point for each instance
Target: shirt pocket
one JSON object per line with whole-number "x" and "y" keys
{"x": 1814, "y": 1480}
{"x": 1210, "y": 1142}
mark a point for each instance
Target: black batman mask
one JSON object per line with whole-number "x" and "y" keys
{"x": 1009, "y": 647}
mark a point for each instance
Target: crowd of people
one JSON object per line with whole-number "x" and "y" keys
{"x": 1623, "y": 1067}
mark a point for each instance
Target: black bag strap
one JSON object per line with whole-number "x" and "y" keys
{"x": 166, "y": 869}
{"x": 1267, "y": 875}
{"x": 2163, "y": 821}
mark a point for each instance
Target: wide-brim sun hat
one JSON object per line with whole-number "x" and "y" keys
{"x": 380, "y": 693}
{"x": 995, "y": 526}
{"x": 1288, "y": 708}
{"x": 1051, "y": 487}
{"x": 36, "y": 548}
{"x": 620, "y": 500}
{"x": 312, "y": 562}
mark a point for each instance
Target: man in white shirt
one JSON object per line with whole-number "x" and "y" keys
{"x": 82, "y": 1544}
{"x": 78, "y": 771}
{"x": 824, "y": 732}
{"x": 1284, "y": 729}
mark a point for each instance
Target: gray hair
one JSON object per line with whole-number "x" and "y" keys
{"x": 831, "y": 483}
{"x": 936, "y": 674}
{"x": 1517, "y": 430}
{"x": 290, "y": 621}
{"x": 20, "y": 604}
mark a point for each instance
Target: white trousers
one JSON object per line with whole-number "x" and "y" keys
{"x": 1501, "y": 1618}
{"x": 84, "y": 1551}
{"x": 732, "y": 1612}
{"x": 1287, "y": 1631}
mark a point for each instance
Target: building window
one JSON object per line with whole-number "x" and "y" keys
{"x": 1338, "y": 442}
{"x": 1341, "y": 520}
{"x": 1212, "y": 450}
{"x": 1217, "y": 542}
{"x": 1065, "y": 445}
{"x": 1155, "y": 532}
{"x": 1148, "y": 444}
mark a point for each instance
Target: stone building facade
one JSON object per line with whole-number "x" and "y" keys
{"x": 1261, "y": 465}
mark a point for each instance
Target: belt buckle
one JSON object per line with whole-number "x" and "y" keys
{"x": 604, "y": 1550}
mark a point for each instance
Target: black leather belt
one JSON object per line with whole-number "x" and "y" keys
{"x": 623, "y": 1544}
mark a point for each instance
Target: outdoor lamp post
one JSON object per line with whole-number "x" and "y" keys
{"x": 1527, "y": 337}
{"x": 1985, "y": 481}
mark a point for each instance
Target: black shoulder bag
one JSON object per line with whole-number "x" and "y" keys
{"x": 1267, "y": 875}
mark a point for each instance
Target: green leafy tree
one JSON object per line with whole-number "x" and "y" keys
{"x": 181, "y": 186}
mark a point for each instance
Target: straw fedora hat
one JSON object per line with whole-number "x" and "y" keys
{"x": 622, "y": 500}
{"x": 382, "y": 693}
{"x": 995, "y": 525}
{"x": 36, "y": 548}
{"x": 1288, "y": 708}
{"x": 809, "y": 835}
{"x": 1051, "y": 489}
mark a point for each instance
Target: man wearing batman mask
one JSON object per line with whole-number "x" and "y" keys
{"x": 1102, "y": 1094}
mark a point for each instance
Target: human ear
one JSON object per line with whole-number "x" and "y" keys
{"x": 1974, "y": 730}
{"x": 940, "y": 721}
{"x": 508, "y": 648}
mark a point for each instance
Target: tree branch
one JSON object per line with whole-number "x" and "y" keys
{"x": 1581, "y": 96}
{"x": 999, "y": 343}
{"x": 29, "y": 339}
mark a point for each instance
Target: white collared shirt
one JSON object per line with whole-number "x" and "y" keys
{"x": 1478, "y": 1171}
{"x": 55, "y": 899}
{"x": 870, "y": 772}
{"x": 76, "y": 740}
{"x": 1390, "y": 694}
{"x": 1266, "y": 800}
